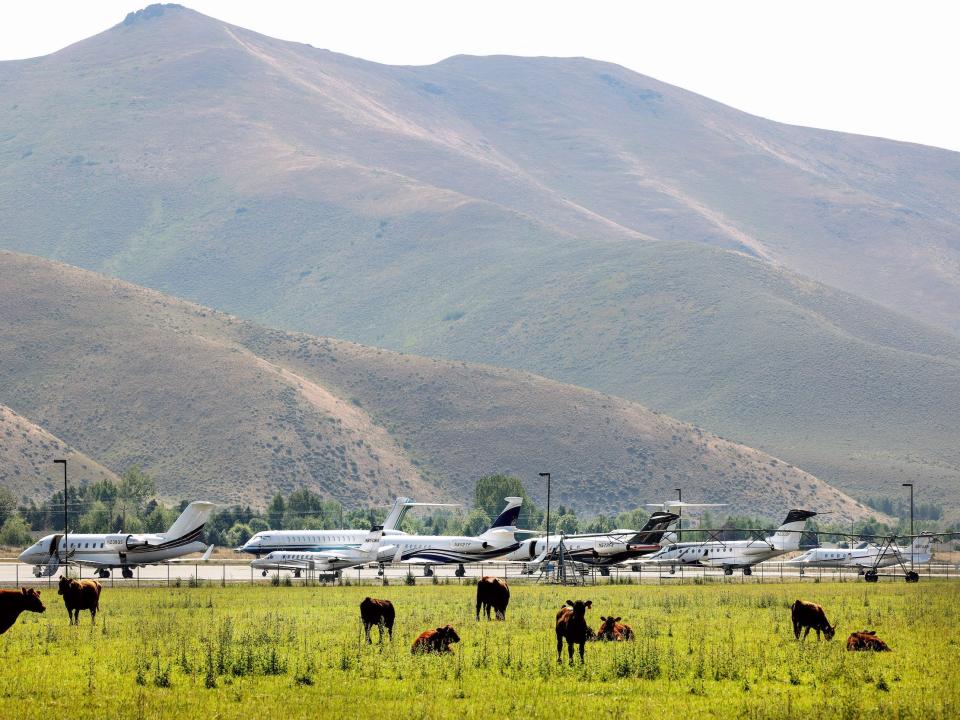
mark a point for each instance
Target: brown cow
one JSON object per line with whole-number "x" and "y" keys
{"x": 435, "y": 641}
{"x": 379, "y": 613}
{"x": 572, "y": 627}
{"x": 810, "y": 616}
{"x": 14, "y": 602}
{"x": 866, "y": 640}
{"x": 80, "y": 595}
{"x": 493, "y": 593}
{"x": 613, "y": 629}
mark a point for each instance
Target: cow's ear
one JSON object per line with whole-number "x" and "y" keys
{"x": 570, "y": 603}
{"x": 588, "y": 603}
{"x": 617, "y": 619}
{"x": 602, "y": 619}
{"x": 440, "y": 629}
{"x": 23, "y": 590}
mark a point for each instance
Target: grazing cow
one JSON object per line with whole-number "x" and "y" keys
{"x": 379, "y": 613}
{"x": 613, "y": 629}
{"x": 80, "y": 595}
{"x": 810, "y": 616}
{"x": 572, "y": 627}
{"x": 436, "y": 641}
{"x": 14, "y": 602}
{"x": 493, "y": 593}
{"x": 866, "y": 640}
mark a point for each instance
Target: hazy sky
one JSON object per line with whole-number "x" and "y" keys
{"x": 874, "y": 67}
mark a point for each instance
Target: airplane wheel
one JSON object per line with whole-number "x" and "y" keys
{"x": 296, "y": 573}
{"x": 605, "y": 572}
{"x": 461, "y": 571}
{"x": 427, "y": 571}
{"x": 913, "y": 576}
{"x": 748, "y": 571}
{"x": 263, "y": 573}
{"x": 870, "y": 576}
{"x": 103, "y": 574}
{"x": 127, "y": 573}
{"x": 728, "y": 571}
{"x": 673, "y": 569}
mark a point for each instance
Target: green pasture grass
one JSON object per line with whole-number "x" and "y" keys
{"x": 292, "y": 652}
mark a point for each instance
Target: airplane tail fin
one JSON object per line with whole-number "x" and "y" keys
{"x": 189, "y": 526}
{"x": 652, "y": 533}
{"x": 371, "y": 543}
{"x": 919, "y": 548}
{"x": 397, "y": 513}
{"x": 506, "y": 521}
{"x": 787, "y": 536}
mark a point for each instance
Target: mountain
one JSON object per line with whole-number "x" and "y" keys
{"x": 26, "y": 459}
{"x": 229, "y": 410}
{"x": 793, "y": 289}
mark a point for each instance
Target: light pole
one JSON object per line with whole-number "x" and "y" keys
{"x": 910, "y": 485}
{"x": 547, "y": 476}
{"x": 680, "y": 513}
{"x": 66, "y": 545}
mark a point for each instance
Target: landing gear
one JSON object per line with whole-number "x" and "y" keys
{"x": 673, "y": 569}
{"x": 912, "y": 576}
{"x": 605, "y": 572}
{"x": 263, "y": 573}
{"x": 871, "y": 576}
{"x": 727, "y": 570}
{"x": 460, "y": 571}
{"x": 427, "y": 571}
{"x": 127, "y": 573}
{"x": 380, "y": 570}
{"x": 748, "y": 571}
{"x": 103, "y": 573}
{"x": 296, "y": 573}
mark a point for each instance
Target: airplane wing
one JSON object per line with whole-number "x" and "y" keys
{"x": 187, "y": 561}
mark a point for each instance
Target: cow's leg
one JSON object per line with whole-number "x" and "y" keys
{"x": 582, "y": 643}
{"x": 818, "y": 634}
{"x": 806, "y": 631}
{"x": 489, "y": 608}
{"x": 559, "y": 647}
{"x": 796, "y": 630}
{"x": 479, "y": 605}
{"x": 93, "y": 615}
{"x": 380, "y": 628}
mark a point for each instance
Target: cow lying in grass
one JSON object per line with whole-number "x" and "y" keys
{"x": 612, "y": 629}
{"x": 866, "y": 640}
{"x": 14, "y": 602}
{"x": 435, "y": 641}
{"x": 572, "y": 627}
{"x": 80, "y": 595}
{"x": 810, "y": 616}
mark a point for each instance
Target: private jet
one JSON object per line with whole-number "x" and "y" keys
{"x": 323, "y": 561}
{"x": 866, "y": 558}
{"x": 734, "y": 554}
{"x": 598, "y": 549}
{"x": 121, "y": 550}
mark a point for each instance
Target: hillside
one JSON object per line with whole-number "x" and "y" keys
{"x": 796, "y": 290}
{"x": 233, "y": 411}
{"x": 27, "y": 453}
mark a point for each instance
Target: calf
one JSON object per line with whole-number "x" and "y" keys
{"x": 435, "y": 641}
{"x": 613, "y": 629}
{"x": 810, "y": 616}
{"x": 379, "y": 613}
{"x": 572, "y": 627}
{"x": 493, "y": 593}
{"x": 866, "y": 640}
{"x": 80, "y": 595}
{"x": 14, "y": 602}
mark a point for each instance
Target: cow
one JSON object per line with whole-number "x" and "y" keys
{"x": 810, "y": 616}
{"x": 379, "y": 613}
{"x": 14, "y": 602}
{"x": 866, "y": 640}
{"x": 435, "y": 641}
{"x": 493, "y": 593}
{"x": 80, "y": 595}
{"x": 612, "y": 629}
{"x": 572, "y": 627}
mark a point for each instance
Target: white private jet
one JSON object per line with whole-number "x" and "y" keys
{"x": 268, "y": 541}
{"x": 325, "y": 560}
{"x": 430, "y": 550}
{"x": 867, "y": 558}
{"x": 122, "y": 550}
{"x": 733, "y": 554}
{"x": 599, "y": 549}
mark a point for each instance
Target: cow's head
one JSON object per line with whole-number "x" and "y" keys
{"x": 609, "y": 623}
{"x": 31, "y": 600}
{"x": 447, "y": 635}
{"x": 64, "y": 585}
{"x": 829, "y": 632}
{"x": 580, "y": 607}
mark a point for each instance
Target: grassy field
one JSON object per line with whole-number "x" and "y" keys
{"x": 297, "y": 652}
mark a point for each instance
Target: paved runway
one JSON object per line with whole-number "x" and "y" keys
{"x": 235, "y": 572}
